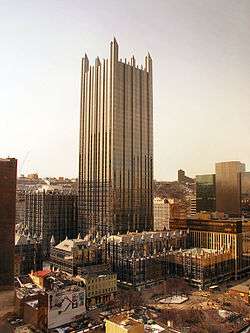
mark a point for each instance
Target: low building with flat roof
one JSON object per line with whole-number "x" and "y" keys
{"x": 122, "y": 323}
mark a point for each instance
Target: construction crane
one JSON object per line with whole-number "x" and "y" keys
{"x": 23, "y": 163}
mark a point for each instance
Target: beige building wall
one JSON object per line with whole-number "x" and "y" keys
{"x": 100, "y": 288}
{"x": 161, "y": 214}
{"x": 120, "y": 324}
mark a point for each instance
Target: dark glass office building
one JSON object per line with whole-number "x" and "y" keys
{"x": 205, "y": 193}
{"x": 116, "y": 145}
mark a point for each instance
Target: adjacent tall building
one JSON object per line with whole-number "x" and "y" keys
{"x": 227, "y": 191}
{"x": 245, "y": 193}
{"x": 8, "y": 174}
{"x": 116, "y": 145}
{"x": 228, "y": 188}
{"x": 50, "y": 213}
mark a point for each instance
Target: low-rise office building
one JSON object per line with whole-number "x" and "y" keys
{"x": 100, "y": 288}
{"x": 123, "y": 323}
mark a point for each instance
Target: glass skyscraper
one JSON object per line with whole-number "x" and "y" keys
{"x": 205, "y": 193}
{"x": 245, "y": 193}
{"x": 116, "y": 145}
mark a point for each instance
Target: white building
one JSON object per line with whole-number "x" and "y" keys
{"x": 161, "y": 214}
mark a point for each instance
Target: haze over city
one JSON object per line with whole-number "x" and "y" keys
{"x": 201, "y": 67}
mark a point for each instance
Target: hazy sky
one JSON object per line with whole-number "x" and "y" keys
{"x": 201, "y": 59}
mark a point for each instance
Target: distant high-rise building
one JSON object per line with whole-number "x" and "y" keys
{"x": 245, "y": 193}
{"x": 182, "y": 178}
{"x": 8, "y": 174}
{"x": 206, "y": 193}
{"x": 181, "y": 175}
{"x": 116, "y": 145}
{"x": 228, "y": 188}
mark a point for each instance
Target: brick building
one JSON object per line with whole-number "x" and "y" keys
{"x": 8, "y": 170}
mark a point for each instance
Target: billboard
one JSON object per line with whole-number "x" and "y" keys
{"x": 65, "y": 305}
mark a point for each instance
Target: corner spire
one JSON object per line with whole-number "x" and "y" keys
{"x": 114, "y": 48}
{"x": 85, "y": 64}
{"x": 97, "y": 62}
{"x": 148, "y": 63}
{"x": 133, "y": 61}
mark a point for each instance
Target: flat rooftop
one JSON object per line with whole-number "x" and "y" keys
{"x": 125, "y": 321}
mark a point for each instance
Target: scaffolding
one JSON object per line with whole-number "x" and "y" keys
{"x": 201, "y": 267}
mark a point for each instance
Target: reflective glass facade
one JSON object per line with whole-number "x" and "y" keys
{"x": 228, "y": 187}
{"x": 116, "y": 145}
{"x": 245, "y": 194}
{"x": 205, "y": 193}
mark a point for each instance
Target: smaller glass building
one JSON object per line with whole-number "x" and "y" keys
{"x": 245, "y": 193}
{"x": 205, "y": 193}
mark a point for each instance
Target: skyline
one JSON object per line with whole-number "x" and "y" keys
{"x": 201, "y": 71}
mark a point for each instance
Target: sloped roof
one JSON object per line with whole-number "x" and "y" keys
{"x": 42, "y": 273}
{"x": 65, "y": 245}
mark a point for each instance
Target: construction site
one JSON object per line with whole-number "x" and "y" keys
{"x": 138, "y": 258}
{"x": 200, "y": 267}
